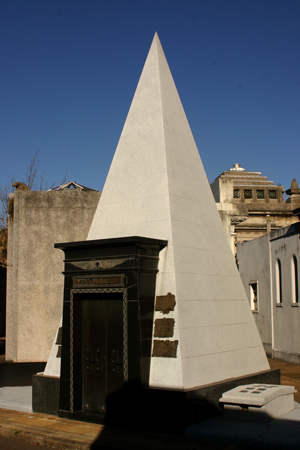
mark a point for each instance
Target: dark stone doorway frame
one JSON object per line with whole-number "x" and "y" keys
{"x": 126, "y": 265}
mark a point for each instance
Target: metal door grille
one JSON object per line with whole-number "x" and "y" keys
{"x": 93, "y": 290}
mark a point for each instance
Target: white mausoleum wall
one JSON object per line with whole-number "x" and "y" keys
{"x": 254, "y": 265}
{"x": 286, "y": 314}
{"x": 253, "y": 262}
{"x": 35, "y": 281}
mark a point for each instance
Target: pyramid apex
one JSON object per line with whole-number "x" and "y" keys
{"x": 156, "y": 39}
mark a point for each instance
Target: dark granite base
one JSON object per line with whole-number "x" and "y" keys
{"x": 45, "y": 394}
{"x": 213, "y": 392}
{"x": 173, "y": 411}
{"x": 165, "y": 410}
{"x": 19, "y": 374}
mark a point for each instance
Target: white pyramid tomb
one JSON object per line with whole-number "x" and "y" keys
{"x": 157, "y": 187}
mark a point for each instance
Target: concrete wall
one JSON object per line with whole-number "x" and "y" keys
{"x": 222, "y": 189}
{"x": 215, "y": 188}
{"x": 2, "y": 305}
{"x": 35, "y": 280}
{"x": 254, "y": 264}
{"x": 285, "y": 243}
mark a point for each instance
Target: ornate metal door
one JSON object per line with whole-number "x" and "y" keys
{"x": 102, "y": 350}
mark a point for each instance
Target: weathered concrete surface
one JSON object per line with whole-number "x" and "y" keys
{"x": 35, "y": 282}
{"x": 247, "y": 217}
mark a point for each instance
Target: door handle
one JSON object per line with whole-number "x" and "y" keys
{"x": 114, "y": 361}
{"x": 88, "y": 359}
{"x": 92, "y": 361}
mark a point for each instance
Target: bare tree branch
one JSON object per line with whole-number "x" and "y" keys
{"x": 31, "y": 180}
{"x": 32, "y": 170}
{"x": 5, "y": 189}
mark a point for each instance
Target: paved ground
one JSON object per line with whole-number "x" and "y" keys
{"x": 15, "y": 444}
{"x": 18, "y": 398}
{"x": 62, "y": 434}
{"x": 290, "y": 374}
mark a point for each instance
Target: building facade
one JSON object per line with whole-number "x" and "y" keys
{"x": 249, "y": 204}
{"x": 269, "y": 268}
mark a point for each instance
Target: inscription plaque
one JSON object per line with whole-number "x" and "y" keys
{"x": 117, "y": 280}
{"x": 165, "y": 303}
{"x": 164, "y": 327}
{"x": 165, "y": 349}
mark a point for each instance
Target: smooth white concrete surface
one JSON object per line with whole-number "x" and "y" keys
{"x": 256, "y": 394}
{"x": 17, "y": 398}
{"x": 157, "y": 187}
{"x": 257, "y": 402}
{"x": 53, "y": 364}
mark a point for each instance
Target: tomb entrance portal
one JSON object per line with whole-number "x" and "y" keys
{"x": 109, "y": 298}
{"x": 103, "y": 348}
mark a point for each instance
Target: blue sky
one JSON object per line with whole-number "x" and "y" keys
{"x": 69, "y": 69}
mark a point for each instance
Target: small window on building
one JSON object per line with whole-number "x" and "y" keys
{"x": 273, "y": 194}
{"x": 278, "y": 283}
{"x": 295, "y": 286}
{"x": 236, "y": 193}
{"x": 260, "y": 193}
{"x": 254, "y": 296}
{"x": 247, "y": 193}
